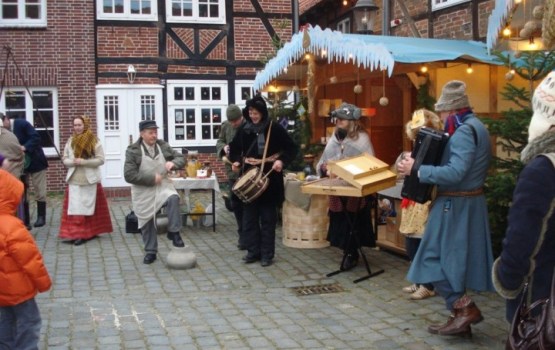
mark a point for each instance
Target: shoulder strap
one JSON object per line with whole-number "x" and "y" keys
{"x": 474, "y": 133}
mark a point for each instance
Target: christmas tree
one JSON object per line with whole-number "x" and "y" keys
{"x": 511, "y": 134}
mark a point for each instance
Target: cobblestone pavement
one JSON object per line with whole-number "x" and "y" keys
{"x": 104, "y": 297}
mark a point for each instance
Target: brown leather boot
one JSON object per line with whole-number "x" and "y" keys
{"x": 433, "y": 328}
{"x": 464, "y": 317}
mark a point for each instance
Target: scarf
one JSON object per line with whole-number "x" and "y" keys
{"x": 543, "y": 144}
{"x": 84, "y": 144}
{"x": 455, "y": 120}
{"x": 258, "y": 129}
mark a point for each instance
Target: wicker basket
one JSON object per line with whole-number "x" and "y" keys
{"x": 302, "y": 229}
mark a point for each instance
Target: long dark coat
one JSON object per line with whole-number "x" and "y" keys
{"x": 529, "y": 244}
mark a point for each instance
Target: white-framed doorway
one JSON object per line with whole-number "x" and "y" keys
{"x": 119, "y": 109}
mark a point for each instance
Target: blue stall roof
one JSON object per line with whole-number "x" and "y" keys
{"x": 375, "y": 52}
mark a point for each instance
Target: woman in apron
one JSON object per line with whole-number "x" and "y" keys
{"x": 85, "y": 213}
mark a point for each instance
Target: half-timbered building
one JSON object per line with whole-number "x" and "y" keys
{"x": 179, "y": 62}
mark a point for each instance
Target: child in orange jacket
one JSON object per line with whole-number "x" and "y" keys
{"x": 22, "y": 273}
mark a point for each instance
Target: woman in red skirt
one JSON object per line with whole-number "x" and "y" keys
{"x": 85, "y": 212}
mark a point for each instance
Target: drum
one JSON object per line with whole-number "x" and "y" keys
{"x": 249, "y": 186}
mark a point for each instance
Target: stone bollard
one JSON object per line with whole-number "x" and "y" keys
{"x": 181, "y": 258}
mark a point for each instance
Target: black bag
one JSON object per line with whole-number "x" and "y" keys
{"x": 132, "y": 223}
{"x": 531, "y": 330}
{"x": 428, "y": 149}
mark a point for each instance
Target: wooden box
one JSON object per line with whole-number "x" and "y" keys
{"x": 358, "y": 176}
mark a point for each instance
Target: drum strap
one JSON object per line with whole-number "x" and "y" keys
{"x": 265, "y": 150}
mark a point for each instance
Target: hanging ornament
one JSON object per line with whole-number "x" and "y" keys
{"x": 509, "y": 75}
{"x": 333, "y": 78}
{"x": 384, "y": 101}
{"x": 358, "y": 88}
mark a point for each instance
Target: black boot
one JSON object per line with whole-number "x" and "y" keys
{"x": 175, "y": 237}
{"x": 41, "y": 214}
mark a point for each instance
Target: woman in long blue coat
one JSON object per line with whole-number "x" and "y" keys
{"x": 455, "y": 253}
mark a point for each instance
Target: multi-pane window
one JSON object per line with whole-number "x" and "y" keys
{"x": 148, "y": 112}
{"x": 344, "y": 26}
{"x": 440, "y": 4}
{"x": 22, "y": 13}
{"x": 111, "y": 113}
{"x": 196, "y": 111}
{"x": 127, "y": 9}
{"x": 40, "y": 109}
{"x": 193, "y": 11}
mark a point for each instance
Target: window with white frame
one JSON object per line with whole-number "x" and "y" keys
{"x": 344, "y": 26}
{"x": 40, "y": 109}
{"x": 441, "y": 4}
{"x": 22, "y": 13}
{"x": 195, "y": 11}
{"x": 145, "y": 10}
{"x": 195, "y": 112}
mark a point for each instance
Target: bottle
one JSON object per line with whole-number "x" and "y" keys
{"x": 208, "y": 169}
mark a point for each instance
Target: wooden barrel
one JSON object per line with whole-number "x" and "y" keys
{"x": 302, "y": 229}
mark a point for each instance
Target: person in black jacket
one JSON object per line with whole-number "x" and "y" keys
{"x": 529, "y": 244}
{"x": 247, "y": 150}
{"x": 35, "y": 163}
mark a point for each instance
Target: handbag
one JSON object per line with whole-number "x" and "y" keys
{"x": 132, "y": 223}
{"x": 533, "y": 327}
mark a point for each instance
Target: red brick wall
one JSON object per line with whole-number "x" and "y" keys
{"x": 449, "y": 23}
{"x": 65, "y": 51}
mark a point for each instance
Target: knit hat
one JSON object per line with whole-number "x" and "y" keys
{"x": 543, "y": 105}
{"x": 422, "y": 118}
{"x": 453, "y": 96}
{"x": 346, "y": 111}
{"x": 233, "y": 113}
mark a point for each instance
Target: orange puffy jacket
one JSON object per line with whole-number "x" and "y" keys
{"x": 22, "y": 271}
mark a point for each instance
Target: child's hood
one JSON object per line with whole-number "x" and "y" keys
{"x": 10, "y": 193}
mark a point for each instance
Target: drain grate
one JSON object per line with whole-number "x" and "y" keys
{"x": 318, "y": 289}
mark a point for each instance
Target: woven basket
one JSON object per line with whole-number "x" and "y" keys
{"x": 302, "y": 229}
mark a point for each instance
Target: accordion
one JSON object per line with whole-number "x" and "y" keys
{"x": 428, "y": 150}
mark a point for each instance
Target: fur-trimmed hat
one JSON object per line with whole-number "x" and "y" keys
{"x": 233, "y": 113}
{"x": 258, "y": 103}
{"x": 422, "y": 118}
{"x": 453, "y": 96}
{"x": 346, "y": 111}
{"x": 543, "y": 104}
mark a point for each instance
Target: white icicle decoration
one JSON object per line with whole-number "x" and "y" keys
{"x": 365, "y": 55}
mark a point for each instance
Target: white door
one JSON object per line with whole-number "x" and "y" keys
{"x": 120, "y": 108}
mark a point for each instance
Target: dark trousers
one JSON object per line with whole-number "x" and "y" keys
{"x": 411, "y": 245}
{"x": 237, "y": 207}
{"x": 259, "y": 229}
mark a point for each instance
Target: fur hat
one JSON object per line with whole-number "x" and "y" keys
{"x": 258, "y": 103}
{"x": 543, "y": 105}
{"x": 453, "y": 96}
{"x": 346, "y": 111}
{"x": 233, "y": 113}
{"x": 422, "y": 118}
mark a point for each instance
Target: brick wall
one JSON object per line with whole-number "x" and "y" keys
{"x": 449, "y": 23}
{"x": 62, "y": 56}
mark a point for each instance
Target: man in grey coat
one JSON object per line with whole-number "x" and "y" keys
{"x": 455, "y": 253}
{"x": 229, "y": 127}
{"x": 147, "y": 163}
